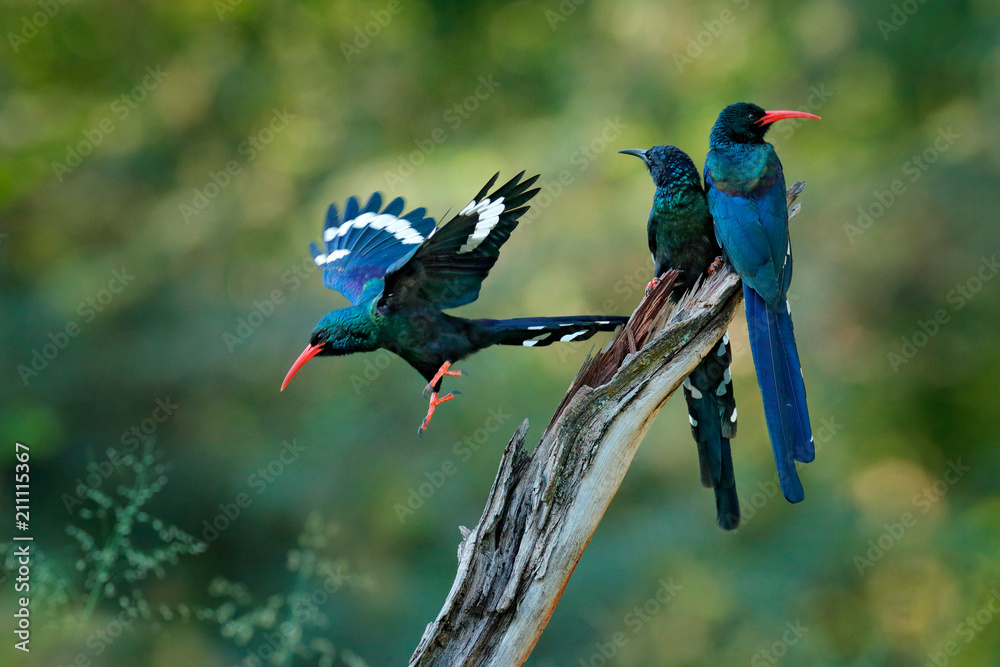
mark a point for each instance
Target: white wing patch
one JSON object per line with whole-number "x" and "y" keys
{"x": 332, "y": 257}
{"x": 489, "y": 216}
{"x": 398, "y": 227}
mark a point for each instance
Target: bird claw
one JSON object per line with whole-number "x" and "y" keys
{"x": 715, "y": 266}
{"x": 651, "y": 284}
{"x": 443, "y": 371}
{"x": 435, "y": 401}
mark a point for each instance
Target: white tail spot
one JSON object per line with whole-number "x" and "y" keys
{"x": 695, "y": 393}
{"x": 568, "y": 337}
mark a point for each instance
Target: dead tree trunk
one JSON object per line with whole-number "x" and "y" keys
{"x": 545, "y": 506}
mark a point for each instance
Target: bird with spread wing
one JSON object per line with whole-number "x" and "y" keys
{"x": 400, "y": 272}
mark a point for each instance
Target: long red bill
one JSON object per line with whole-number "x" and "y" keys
{"x": 307, "y": 354}
{"x": 771, "y": 116}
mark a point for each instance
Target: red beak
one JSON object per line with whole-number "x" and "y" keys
{"x": 307, "y": 354}
{"x": 771, "y": 116}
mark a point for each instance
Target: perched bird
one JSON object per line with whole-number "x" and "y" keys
{"x": 401, "y": 271}
{"x": 681, "y": 237}
{"x": 746, "y": 196}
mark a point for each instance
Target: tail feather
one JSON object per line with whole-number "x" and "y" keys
{"x": 722, "y": 354}
{"x": 712, "y": 413}
{"x": 804, "y": 449}
{"x": 542, "y": 331}
{"x": 783, "y": 392}
{"x": 727, "y": 502}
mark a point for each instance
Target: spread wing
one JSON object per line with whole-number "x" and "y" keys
{"x": 448, "y": 269}
{"x": 358, "y": 250}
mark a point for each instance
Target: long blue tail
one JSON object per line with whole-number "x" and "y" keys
{"x": 712, "y": 413}
{"x": 779, "y": 375}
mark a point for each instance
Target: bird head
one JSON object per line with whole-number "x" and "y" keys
{"x": 321, "y": 343}
{"x": 670, "y": 167}
{"x": 746, "y": 123}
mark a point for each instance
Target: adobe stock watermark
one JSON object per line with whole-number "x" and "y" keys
{"x": 99, "y": 472}
{"x": 913, "y": 169}
{"x": 263, "y": 309}
{"x": 714, "y": 29}
{"x": 223, "y": 7}
{"x": 958, "y": 297}
{"x": 101, "y": 639}
{"x": 59, "y": 340}
{"x": 773, "y": 654}
{"x": 566, "y": 8}
{"x": 305, "y": 608}
{"x": 581, "y": 158}
{"x": 752, "y": 503}
{"x": 434, "y": 479}
{"x": 967, "y": 631}
{"x": 121, "y": 108}
{"x": 818, "y": 97}
{"x": 258, "y": 482}
{"x": 363, "y": 35}
{"x": 249, "y": 149}
{"x": 31, "y": 25}
{"x": 898, "y": 17}
{"x": 454, "y": 117}
{"x": 629, "y": 289}
{"x": 894, "y": 532}
{"x": 634, "y": 621}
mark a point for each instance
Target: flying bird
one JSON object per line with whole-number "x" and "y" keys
{"x": 400, "y": 272}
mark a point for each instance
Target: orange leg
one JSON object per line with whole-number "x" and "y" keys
{"x": 440, "y": 374}
{"x": 435, "y": 401}
{"x": 652, "y": 283}
{"x": 716, "y": 265}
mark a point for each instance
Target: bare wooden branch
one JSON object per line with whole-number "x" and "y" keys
{"x": 545, "y": 506}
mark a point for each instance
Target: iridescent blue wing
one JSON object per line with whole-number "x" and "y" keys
{"x": 361, "y": 246}
{"x": 752, "y": 228}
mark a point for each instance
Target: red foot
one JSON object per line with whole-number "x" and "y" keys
{"x": 435, "y": 401}
{"x": 651, "y": 284}
{"x": 716, "y": 265}
{"x": 440, "y": 374}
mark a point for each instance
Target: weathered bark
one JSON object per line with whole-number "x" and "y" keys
{"x": 545, "y": 506}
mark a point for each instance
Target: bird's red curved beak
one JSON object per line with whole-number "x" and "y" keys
{"x": 307, "y": 354}
{"x": 771, "y": 116}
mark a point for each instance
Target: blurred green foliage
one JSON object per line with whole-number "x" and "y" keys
{"x": 165, "y": 165}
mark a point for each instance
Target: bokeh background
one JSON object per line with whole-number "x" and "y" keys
{"x": 165, "y": 165}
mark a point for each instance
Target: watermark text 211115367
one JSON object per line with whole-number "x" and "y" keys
{"x": 22, "y": 516}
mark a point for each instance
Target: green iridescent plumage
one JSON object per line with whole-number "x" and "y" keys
{"x": 401, "y": 272}
{"x": 681, "y": 237}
